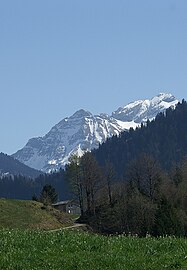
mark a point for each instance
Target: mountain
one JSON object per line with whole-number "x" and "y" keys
{"x": 164, "y": 139}
{"x": 84, "y": 131}
{"x": 11, "y": 166}
{"x": 142, "y": 110}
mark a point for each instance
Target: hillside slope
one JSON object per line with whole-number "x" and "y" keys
{"x": 165, "y": 138}
{"x": 30, "y": 215}
{"x": 9, "y": 165}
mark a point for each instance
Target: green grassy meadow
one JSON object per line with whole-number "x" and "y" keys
{"x": 27, "y": 242}
{"x": 22, "y": 249}
{"x": 30, "y": 215}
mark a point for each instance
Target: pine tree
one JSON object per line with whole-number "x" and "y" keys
{"x": 48, "y": 195}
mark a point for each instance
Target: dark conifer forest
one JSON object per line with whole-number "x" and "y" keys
{"x": 165, "y": 138}
{"x": 22, "y": 187}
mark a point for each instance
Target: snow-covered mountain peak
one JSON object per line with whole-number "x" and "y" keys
{"x": 167, "y": 97}
{"x": 80, "y": 114}
{"x": 104, "y": 115}
{"x": 141, "y": 110}
{"x": 84, "y": 131}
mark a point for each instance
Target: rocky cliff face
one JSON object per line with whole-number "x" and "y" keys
{"x": 84, "y": 131}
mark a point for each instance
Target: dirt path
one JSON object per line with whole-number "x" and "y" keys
{"x": 69, "y": 227}
{"x": 74, "y": 226}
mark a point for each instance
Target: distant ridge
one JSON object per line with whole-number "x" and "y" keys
{"x": 11, "y": 166}
{"x": 85, "y": 131}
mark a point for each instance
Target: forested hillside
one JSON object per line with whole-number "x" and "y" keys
{"x": 165, "y": 138}
{"x": 21, "y": 187}
{"x": 11, "y": 165}
{"x": 136, "y": 183}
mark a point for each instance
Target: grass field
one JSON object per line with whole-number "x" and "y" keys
{"x": 30, "y": 215}
{"x": 69, "y": 250}
{"x": 33, "y": 246}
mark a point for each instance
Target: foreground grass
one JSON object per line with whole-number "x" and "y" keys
{"x": 79, "y": 250}
{"x": 24, "y": 214}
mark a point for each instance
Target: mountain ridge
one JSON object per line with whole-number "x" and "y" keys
{"x": 11, "y": 166}
{"x": 84, "y": 131}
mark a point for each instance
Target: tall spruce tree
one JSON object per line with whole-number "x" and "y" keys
{"x": 48, "y": 195}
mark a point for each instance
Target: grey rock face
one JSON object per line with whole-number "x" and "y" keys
{"x": 83, "y": 131}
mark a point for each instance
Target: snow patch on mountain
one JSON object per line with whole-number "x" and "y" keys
{"x": 142, "y": 110}
{"x": 84, "y": 131}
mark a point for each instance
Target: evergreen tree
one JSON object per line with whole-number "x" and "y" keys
{"x": 48, "y": 195}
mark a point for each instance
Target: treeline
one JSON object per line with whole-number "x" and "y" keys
{"x": 165, "y": 138}
{"x": 147, "y": 201}
{"x": 22, "y": 187}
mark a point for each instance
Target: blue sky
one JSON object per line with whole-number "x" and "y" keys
{"x": 59, "y": 56}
